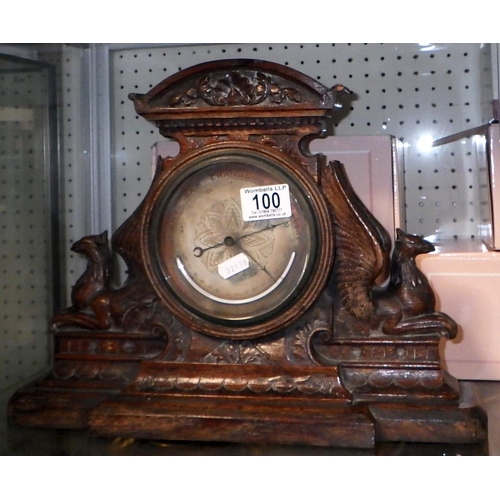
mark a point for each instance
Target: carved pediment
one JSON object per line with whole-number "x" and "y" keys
{"x": 237, "y": 86}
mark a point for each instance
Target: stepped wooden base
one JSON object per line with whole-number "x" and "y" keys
{"x": 257, "y": 419}
{"x": 364, "y": 393}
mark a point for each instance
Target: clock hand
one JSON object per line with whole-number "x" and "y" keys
{"x": 198, "y": 251}
{"x": 228, "y": 241}
{"x": 271, "y": 227}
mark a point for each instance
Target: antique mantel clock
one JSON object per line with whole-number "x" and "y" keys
{"x": 251, "y": 311}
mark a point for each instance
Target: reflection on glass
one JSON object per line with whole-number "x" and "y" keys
{"x": 27, "y": 157}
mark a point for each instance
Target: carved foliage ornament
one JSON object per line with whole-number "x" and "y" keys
{"x": 235, "y": 89}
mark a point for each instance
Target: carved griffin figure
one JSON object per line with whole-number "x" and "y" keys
{"x": 406, "y": 305}
{"x": 96, "y": 305}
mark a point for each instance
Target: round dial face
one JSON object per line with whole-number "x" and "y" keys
{"x": 236, "y": 238}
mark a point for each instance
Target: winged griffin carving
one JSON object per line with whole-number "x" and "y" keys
{"x": 406, "y": 305}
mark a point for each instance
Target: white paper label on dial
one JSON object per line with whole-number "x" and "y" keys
{"x": 265, "y": 202}
{"x": 233, "y": 266}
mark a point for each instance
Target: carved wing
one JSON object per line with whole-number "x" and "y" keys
{"x": 362, "y": 243}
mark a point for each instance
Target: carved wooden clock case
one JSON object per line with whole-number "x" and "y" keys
{"x": 251, "y": 311}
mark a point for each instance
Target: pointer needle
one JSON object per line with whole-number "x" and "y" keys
{"x": 198, "y": 251}
{"x": 271, "y": 227}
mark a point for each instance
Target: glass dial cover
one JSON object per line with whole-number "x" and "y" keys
{"x": 236, "y": 238}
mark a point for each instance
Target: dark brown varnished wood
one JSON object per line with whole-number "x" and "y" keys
{"x": 347, "y": 363}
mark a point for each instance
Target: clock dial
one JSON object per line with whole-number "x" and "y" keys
{"x": 236, "y": 238}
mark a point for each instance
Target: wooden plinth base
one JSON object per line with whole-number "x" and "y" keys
{"x": 257, "y": 419}
{"x": 227, "y": 421}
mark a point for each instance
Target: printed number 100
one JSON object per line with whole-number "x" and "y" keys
{"x": 267, "y": 200}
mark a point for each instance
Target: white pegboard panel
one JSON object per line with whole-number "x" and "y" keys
{"x": 416, "y": 92}
{"x": 25, "y": 246}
